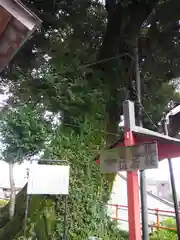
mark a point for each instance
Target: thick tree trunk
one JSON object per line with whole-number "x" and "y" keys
{"x": 123, "y": 27}
{"x": 9, "y": 229}
{"x": 12, "y": 191}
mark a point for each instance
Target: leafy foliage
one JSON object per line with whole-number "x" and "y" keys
{"x": 76, "y": 33}
{"x": 23, "y": 133}
{"x": 166, "y": 234}
{"x": 3, "y": 202}
{"x": 81, "y": 66}
{"x": 88, "y": 188}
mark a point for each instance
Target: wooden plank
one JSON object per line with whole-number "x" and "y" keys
{"x": 5, "y": 18}
{"x": 21, "y": 13}
{"x": 138, "y": 157}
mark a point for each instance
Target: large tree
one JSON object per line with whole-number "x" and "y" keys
{"x": 81, "y": 63}
{"x": 78, "y": 32}
{"x": 23, "y": 134}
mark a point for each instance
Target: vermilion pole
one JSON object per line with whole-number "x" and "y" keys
{"x": 133, "y": 196}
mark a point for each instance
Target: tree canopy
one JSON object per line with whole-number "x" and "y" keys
{"x": 23, "y": 133}
{"x": 88, "y": 45}
{"x": 81, "y": 66}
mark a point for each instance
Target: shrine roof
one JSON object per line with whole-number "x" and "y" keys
{"x": 168, "y": 147}
{"x": 17, "y": 24}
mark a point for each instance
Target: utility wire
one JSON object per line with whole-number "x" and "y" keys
{"x": 150, "y": 119}
{"x": 96, "y": 130}
{"x": 106, "y": 60}
{"x": 110, "y": 133}
{"x": 88, "y": 65}
{"x": 144, "y": 110}
{"x": 143, "y": 187}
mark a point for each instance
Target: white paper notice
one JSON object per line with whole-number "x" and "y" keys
{"x": 48, "y": 179}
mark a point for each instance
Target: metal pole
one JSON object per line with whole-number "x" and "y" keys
{"x": 173, "y": 186}
{"x": 26, "y": 213}
{"x": 27, "y": 206}
{"x": 65, "y": 237}
{"x": 143, "y": 190}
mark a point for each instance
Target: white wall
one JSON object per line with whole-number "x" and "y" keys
{"x": 152, "y": 189}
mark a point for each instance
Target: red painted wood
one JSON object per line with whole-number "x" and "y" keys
{"x": 133, "y": 196}
{"x": 5, "y": 17}
{"x": 166, "y": 149}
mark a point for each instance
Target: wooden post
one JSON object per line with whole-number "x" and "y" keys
{"x": 116, "y": 211}
{"x": 157, "y": 219}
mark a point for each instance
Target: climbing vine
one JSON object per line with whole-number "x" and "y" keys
{"x": 89, "y": 191}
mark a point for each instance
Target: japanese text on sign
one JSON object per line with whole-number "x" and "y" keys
{"x": 138, "y": 157}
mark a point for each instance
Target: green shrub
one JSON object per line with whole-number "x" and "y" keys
{"x": 3, "y": 202}
{"x": 88, "y": 196}
{"x": 166, "y": 234}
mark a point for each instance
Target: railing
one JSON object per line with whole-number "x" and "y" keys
{"x": 157, "y": 212}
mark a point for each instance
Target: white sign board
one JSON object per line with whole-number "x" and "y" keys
{"x": 138, "y": 157}
{"x": 48, "y": 179}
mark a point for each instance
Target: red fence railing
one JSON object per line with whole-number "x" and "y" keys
{"x": 157, "y": 212}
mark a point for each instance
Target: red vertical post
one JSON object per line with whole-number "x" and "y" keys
{"x": 133, "y": 196}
